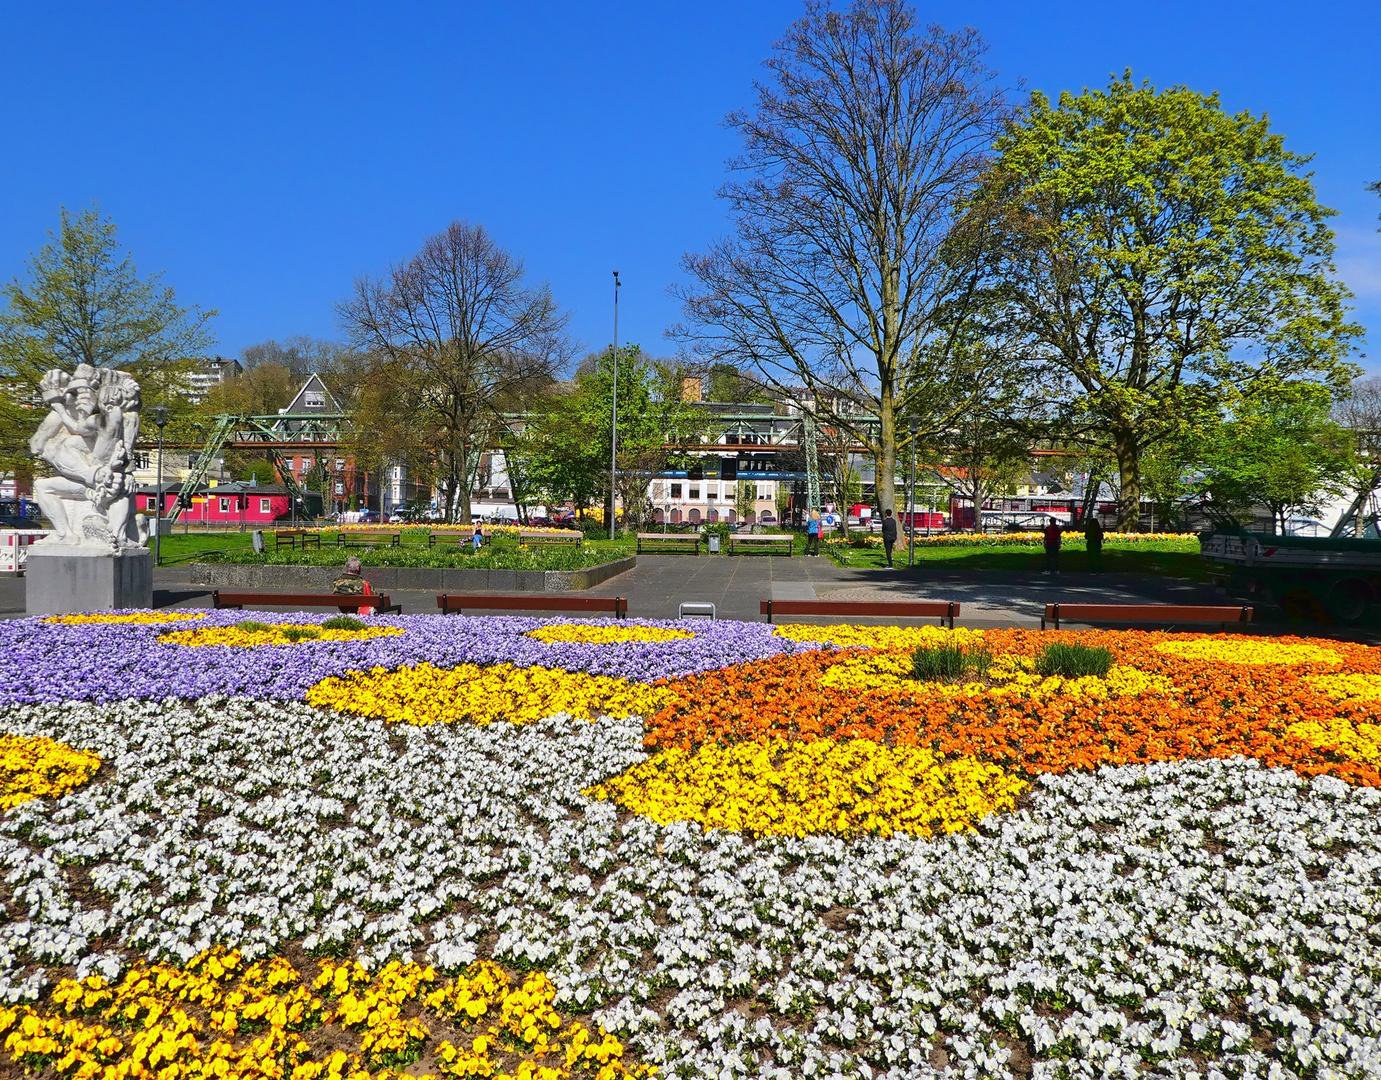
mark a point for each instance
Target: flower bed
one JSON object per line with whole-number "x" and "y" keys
{"x": 484, "y": 846}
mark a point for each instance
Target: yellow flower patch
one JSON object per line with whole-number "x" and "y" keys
{"x": 606, "y": 635}
{"x": 1357, "y": 741}
{"x": 425, "y": 694}
{"x": 783, "y": 788}
{"x": 138, "y": 618}
{"x": 1245, "y": 650}
{"x": 277, "y": 634}
{"x": 1012, "y": 676}
{"x": 221, "y": 1017}
{"x": 32, "y": 767}
{"x": 1348, "y": 686}
{"x": 886, "y": 638}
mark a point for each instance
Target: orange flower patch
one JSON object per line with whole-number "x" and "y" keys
{"x": 1273, "y": 712}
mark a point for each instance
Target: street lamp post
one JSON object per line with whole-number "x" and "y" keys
{"x": 614, "y": 438}
{"x": 911, "y": 548}
{"x": 160, "y": 417}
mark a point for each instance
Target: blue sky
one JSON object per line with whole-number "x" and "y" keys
{"x": 265, "y": 155}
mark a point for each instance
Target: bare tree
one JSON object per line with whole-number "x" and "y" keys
{"x": 864, "y": 143}
{"x": 453, "y": 337}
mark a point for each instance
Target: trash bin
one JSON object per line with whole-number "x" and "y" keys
{"x": 714, "y": 545}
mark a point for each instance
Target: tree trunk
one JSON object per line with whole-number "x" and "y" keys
{"x": 886, "y": 460}
{"x": 1129, "y": 476}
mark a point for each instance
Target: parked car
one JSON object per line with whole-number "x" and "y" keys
{"x": 369, "y": 517}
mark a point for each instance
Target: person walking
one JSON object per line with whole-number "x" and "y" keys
{"x": 1093, "y": 540}
{"x": 889, "y": 533}
{"x": 352, "y": 583}
{"x": 813, "y": 534}
{"x": 1053, "y": 536}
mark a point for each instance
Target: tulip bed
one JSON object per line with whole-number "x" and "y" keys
{"x": 526, "y": 848}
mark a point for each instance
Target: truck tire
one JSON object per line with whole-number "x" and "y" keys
{"x": 1347, "y": 600}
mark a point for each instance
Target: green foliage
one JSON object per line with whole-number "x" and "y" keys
{"x": 500, "y": 555}
{"x": 344, "y": 622}
{"x": 1281, "y": 449}
{"x": 1073, "y": 661}
{"x": 84, "y": 302}
{"x": 258, "y": 469}
{"x": 300, "y": 633}
{"x": 948, "y": 663}
{"x": 1185, "y": 250}
{"x": 251, "y": 626}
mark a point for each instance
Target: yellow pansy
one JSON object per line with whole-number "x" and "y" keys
{"x": 1245, "y": 650}
{"x": 425, "y": 694}
{"x": 887, "y": 638}
{"x": 32, "y": 767}
{"x": 1356, "y": 741}
{"x": 1348, "y": 686}
{"x": 784, "y": 788}
{"x": 275, "y": 634}
{"x": 137, "y": 617}
{"x": 606, "y": 635}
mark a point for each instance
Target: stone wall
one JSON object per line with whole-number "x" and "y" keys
{"x": 387, "y": 579}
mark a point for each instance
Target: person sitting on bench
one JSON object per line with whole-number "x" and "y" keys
{"x": 352, "y": 583}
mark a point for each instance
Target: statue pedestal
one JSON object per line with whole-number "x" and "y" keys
{"x": 59, "y": 581}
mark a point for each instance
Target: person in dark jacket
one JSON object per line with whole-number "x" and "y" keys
{"x": 1093, "y": 539}
{"x": 889, "y": 533}
{"x": 1053, "y": 536}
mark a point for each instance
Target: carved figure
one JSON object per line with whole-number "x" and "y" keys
{"x": 88, "y": 439}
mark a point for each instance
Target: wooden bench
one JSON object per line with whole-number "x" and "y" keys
{"x": 551, "y": 538}
{"x": 344, "y": 601}
{"x": 458, "y": 537}
{"x": 367, "y": 539}
{"x": 774, "y": 545}
{"x": 295, "y": 538}
{"x": 1145, "y": 613}
{"x": 894, "y": 609}
{"x": 672, "y": 542}
{"x": 455, "y": 603}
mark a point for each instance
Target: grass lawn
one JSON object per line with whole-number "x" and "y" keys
{"x": 1168, "y": 558}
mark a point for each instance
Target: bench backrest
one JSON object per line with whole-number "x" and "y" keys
{"x": 449, "y": 602}
{"x": 896, "y": 609}
{"x": 220, "y": 599}
{"x": 1149, "y": 612}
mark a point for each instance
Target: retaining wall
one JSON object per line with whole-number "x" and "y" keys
{"x": 388, "y": 579}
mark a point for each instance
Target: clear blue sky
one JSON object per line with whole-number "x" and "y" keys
{"x": 265, "y": 155}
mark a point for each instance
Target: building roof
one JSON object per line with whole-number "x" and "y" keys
{"x": 312, "y": 397}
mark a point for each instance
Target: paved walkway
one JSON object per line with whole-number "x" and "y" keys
{"x": 658, "y": 585}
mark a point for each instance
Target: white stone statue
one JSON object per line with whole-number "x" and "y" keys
{"x": 88, "y": 439}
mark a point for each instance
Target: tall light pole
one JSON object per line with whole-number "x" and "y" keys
{"x": 911, "y": 548}
{"x": 160, "y": 417}
{"x": 614, "y": 440}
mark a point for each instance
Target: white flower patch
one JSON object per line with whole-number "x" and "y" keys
{"x": 1196, "y": 919}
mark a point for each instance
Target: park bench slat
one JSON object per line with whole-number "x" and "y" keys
{"x": 550, "y": 538}
{"x": 295, "y": 538}
{"x": 456, "y": 603}
{"x": 380, "y": 602}
{"x": 1146, "y": 613}
{"x": 367, "y": 539}
{"x": 456, "y": 536}
{"x": 896, "y": 609}
{"x": 669, "y": 541}
{"x": 770, "y": 544}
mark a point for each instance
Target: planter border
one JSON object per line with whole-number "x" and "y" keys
{"x": 404, "y": 578}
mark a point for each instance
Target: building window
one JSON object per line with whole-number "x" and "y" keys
{"x": 225, "y": 506}
{"x": 340, "y": 487}
{"x": 675, "y": 491}
{"x": 152, "y": 503}
{"x": 265, "y": 507}
{"x": 695, "y": 493}
{"x": 340, "y": 464}
{"x": 712, "y": 493}
{"x": 313, "y": 399}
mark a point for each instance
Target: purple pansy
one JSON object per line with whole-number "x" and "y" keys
{"x": 42, "y": 661}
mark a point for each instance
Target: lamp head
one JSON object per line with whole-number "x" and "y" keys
{"x": 913, "y": 425}
{"x": 160, "y": 416}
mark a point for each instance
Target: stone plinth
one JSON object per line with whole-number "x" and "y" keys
{"x": 59, "y": 582}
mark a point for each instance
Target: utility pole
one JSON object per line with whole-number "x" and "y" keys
{"x": 614, "y": 440}
{"x": 911, "y": 548}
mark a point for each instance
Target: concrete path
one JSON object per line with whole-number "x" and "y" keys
{"x": 658, "y": 585}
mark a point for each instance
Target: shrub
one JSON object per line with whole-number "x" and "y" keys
{"x": 251, "y": 626}
{"x": 344, "y": 622}
{"x": 300, "y": 633}
{"x": 936, "y": 663}
{"x": 1073, "y": 661}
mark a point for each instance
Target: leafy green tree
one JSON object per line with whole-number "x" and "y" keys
{"x": 1165, "y": 257}
{"x": 571, "y": 434}
{"x": 85, "y": 303}
{"x": 1281, "y": 449}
